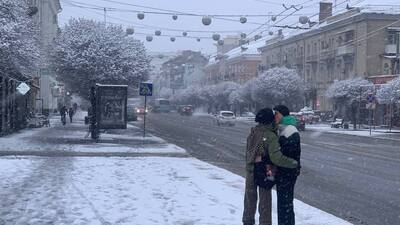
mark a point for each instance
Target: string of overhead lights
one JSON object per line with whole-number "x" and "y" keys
{"x": 206, "y": 20}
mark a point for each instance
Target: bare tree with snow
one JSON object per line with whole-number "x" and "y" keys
{"x": 389, "y": 93}
{"x": 19, "y": 51}
{"x": 88, "y": 51}
{"x": 278, "y": 86}
{"x": 347, "y": 96}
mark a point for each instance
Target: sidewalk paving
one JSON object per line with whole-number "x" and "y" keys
{"x": 73, "y": 139}
{"x": 138, "y": 190}
{"x": 378, "y": 133}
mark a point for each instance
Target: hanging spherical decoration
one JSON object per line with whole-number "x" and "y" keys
{"x": 157, "y": 33}
{"x": 184, "y": 34}
{"x": 220, "y": 42}
{"x": 216, "y": 37}
{"x": 273, "y": 18}
{"x": 172, "y": 39}
{"x": 303, "y": 19}
{"x": 243, "y": 35}
{"x": 243, "y": 19}
{"x": 174, "y": 17}
{"x": 130, "y": 31}
{"x": 257, "y": 37}
{"x": 149, "y": 38}
{"x": 271, "y": 33}
{"x": 206, "y": 20}
{"x": 140, "y": 15}
{"x": 198, "y": 39}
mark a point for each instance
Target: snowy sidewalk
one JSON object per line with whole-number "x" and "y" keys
{"x": 130, "y": 190}
{"x": 380, "y": 134}
{"x": 72, "y": 140}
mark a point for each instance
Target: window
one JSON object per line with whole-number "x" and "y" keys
{"x": 349, "y": 36}
{"x": 392, "y": 38}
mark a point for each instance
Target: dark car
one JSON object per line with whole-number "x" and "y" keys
{"x": 131, "y": 113}
{"x": 141, "y": 110}
{"x": 301, "y": 121}
{"x": 186, "y": 110}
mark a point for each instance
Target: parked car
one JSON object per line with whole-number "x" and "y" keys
{"x": 186, "y": 110}
{"x": 131, "y": 113}
{"x": 301, "y": 122}
{"x": 248, "y": 116}
{"x": 225, "y": 118}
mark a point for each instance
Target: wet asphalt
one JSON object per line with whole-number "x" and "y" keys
{"x": 354, "y": 178}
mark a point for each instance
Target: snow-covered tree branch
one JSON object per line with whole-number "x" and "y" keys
{"x": 390, "y": 93}
{"x": 19, "y": 51}
{"x": 88, "y": 51}
{"x": 348, "y": 94}
{"x": 276, "y": 86}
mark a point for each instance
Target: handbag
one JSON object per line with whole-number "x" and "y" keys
{"x": 260, "y": 176}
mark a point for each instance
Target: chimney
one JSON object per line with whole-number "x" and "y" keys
{"x": 325, "y": 11}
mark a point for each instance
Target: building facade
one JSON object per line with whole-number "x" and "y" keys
{"x": 238, "y": 63}
{"x": 46, "y": 17}
{"x": 357, "y": 43}
{"x": 183, "y": 70}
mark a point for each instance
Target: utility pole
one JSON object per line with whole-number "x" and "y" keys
{"x": 398, "y": 52}
{"x": 105, "y": 16}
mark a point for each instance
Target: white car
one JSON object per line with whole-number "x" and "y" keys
{"x": 225, "y": 118}
{"x": 248, "y": 116}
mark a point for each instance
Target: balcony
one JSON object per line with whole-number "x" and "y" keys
{"x": 390, "y": 49}
{"x": 345, "y": 50}
{"x": 312, "y": 58}
{"x": 327, "y": 54}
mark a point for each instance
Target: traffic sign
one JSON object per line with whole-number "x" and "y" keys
{"x": 371, "y": 98}
{"x": 146, "y": 89}
{"x": 23, "y": 88}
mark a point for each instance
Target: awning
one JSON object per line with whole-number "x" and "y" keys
{"x": 389, "y": 56}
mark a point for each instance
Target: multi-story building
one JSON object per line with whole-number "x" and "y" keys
{"x": 238, "y": 63}
{"x": 357, "y": 43}
{"x": 46, "y": 16}
{"x": 183, "y": 70}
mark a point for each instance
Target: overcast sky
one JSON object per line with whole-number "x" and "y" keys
{"x": 203, "y": 7}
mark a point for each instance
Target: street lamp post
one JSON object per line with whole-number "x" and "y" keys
{"x": 40, "y": 99}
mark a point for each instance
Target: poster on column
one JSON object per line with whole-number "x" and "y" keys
{"x": 111, "y": 101}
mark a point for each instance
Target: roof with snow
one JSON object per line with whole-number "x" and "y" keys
{"x": 249, "y": 49}
{"x": 391, "y": 12}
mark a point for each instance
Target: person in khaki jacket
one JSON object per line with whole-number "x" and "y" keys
{"x": 262, "y": 137}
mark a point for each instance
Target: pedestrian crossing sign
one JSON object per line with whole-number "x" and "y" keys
{"x": 146, "y": 89}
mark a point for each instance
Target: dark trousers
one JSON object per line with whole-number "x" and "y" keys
{"x": 285, "y": 191}
{"x": 70, "y": 119}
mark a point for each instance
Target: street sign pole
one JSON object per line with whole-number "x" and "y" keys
{"x": 145, "y": 89}
{"x": 144, "y": 117}
{"x": 370, "y": 124}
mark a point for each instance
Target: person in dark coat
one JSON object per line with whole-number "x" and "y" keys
{"x": 262, "y": 144}
{"x": 289, "y": 141}
{"x": 71, "y": 114}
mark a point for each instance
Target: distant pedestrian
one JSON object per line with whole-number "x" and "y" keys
{"x": 71, "y": 114}
{"x": 75, "y": 106}
{"x": 262, "y": 152}
{"x": 289, "y": 140}
{"x": 63, "y": 114}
